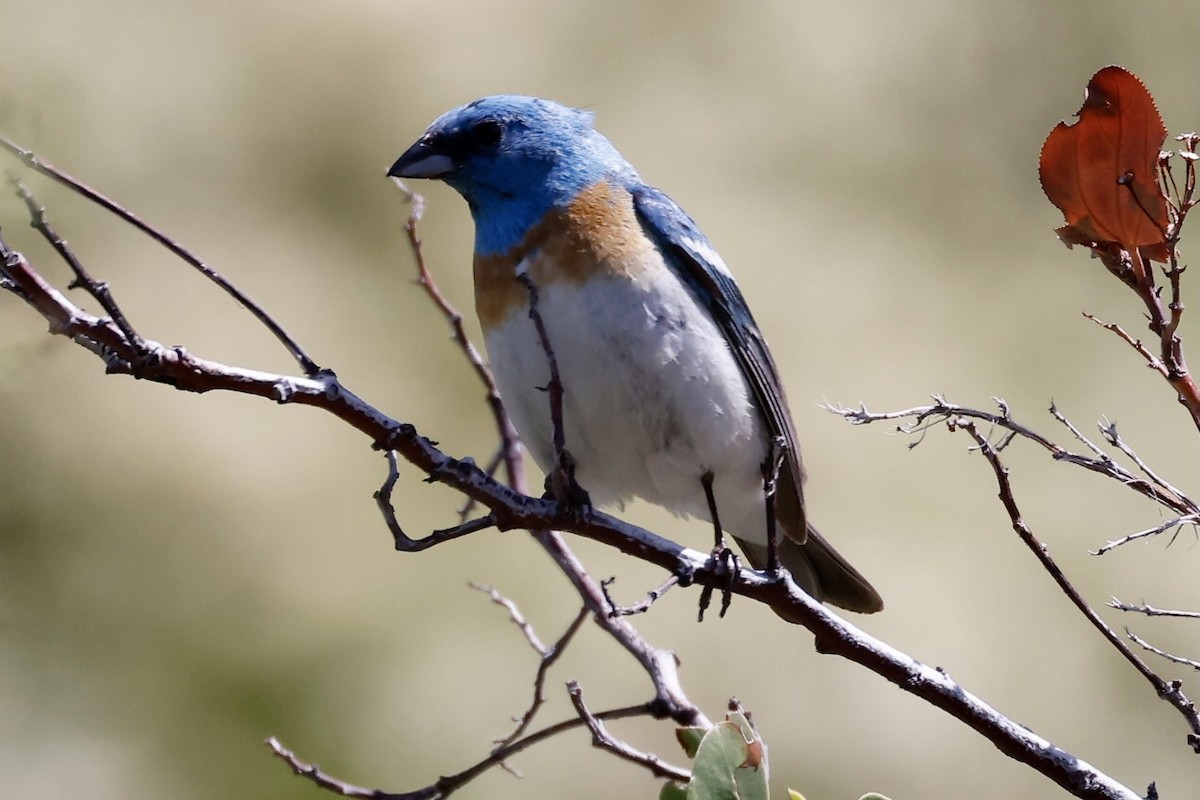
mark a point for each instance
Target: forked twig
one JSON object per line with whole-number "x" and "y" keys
{"x": 1151, "y": 611}
{"x": 547, "y": 656}
{"x": 307, "y": 365}
{"x": 445, "y": 786}
{"x": 606, "y": 741}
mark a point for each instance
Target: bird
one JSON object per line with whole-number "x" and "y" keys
{"x": 669, "y": 391}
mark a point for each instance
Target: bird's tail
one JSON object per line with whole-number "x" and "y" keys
{"x": 819, "y": 570}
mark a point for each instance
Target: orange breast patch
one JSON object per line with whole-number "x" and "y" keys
{"x": 596, "y": 234}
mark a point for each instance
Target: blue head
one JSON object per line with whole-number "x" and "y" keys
{"x": 513, "y": 158}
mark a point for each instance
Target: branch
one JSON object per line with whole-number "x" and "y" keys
{"x": 547, "y": 656}
{"x": 509, "y": 441}
{"x": 642, "y": 607}
{"x": 1151, "y": 611}
{"x": 606, "y": 741}
{"x": 941, "y": 411}
{"x": 1169, "y": 691}
{"x": 1187, "y": 519}
{"x": 1187, "y": 662}
{"x": 307, "y": 365}
{"x": 957, "y": 417}
{"x": 445, "y": 786}
{"x": 512, "y": 508}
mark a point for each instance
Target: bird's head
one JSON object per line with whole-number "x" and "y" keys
{"x": 513, "y": 158}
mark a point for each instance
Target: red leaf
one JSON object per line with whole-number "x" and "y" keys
{"x": 1102, "y": 171}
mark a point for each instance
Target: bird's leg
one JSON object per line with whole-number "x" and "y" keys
{"x": 706, "y": 480}
{"x": 725, "y": 561}
{"x": 770, "y": 472}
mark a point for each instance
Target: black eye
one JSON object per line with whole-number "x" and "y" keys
{"x": 486, "y": 134}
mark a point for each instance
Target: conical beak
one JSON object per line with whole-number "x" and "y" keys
{"x": 423, "y": 160}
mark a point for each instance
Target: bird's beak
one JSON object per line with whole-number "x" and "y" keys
{"x": 423, "y": 160}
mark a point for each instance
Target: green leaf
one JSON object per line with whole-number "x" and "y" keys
{"x": 689, "y": 739}
{"x": 794, "y": 795}
{"x": 731, "y": 763}
{"x": 673, "y": 791}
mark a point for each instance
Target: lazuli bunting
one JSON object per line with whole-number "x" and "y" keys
{"x": 669, "y": 391}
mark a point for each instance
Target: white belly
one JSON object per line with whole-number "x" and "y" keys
{"x": 652, "y": 396}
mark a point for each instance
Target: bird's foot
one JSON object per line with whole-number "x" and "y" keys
{"x": 725, "y": 565}
{"x": 562, "y": 486}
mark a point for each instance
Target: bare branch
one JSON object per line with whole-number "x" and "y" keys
{"x": 97, "y": 289}
{"x": 383, "y": 498}
{"x": 1168, "y": 691}
{"x": 606, "y": 741}
{"x": 547, "y": 656}
{"x": 508, "y": 435}
{"x": 1152, "y": 360}
{"x": 326, "y": 781}
{"x": 1171, "y": 524}
{"x": 1109, "y": 429}
{"x": 307, "y": 365}
{"x": 1101, "y": 463}
{"x": 1151, "y": 611}
{"x": 514, "y": 614}
{"x": 447, "y": 785}
{"x": 1187, "y": 662}
{"x": 511, "y": 508}
{"x": 637, "y": 608}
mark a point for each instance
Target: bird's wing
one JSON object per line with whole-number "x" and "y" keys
{"x": 690, "y": 255}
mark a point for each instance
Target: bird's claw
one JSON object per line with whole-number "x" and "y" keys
{"x": 725, "y": 565}
{"x": 566, "y": 491}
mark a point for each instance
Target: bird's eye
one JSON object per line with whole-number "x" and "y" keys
{"x": 486, "y": 134}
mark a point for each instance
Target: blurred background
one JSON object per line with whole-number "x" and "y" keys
{"x": 182, "y": 576}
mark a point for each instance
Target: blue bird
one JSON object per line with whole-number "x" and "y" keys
{"x": 669, "y": 391}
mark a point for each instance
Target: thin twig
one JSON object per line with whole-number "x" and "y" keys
{"x": 1163, "y": 323}
{"x": 404, "y": 543}
{"x": 326, "y": 781}
{"x": 1187, "y": 519}
{"x": 548, "y": 657}
{"x": 307, "y": 365}
{"x": 1152, "y": 360}
{"x": 1171, "y": 692}
{"x": 1151, "y": 611}
{"x": 1101, "y": 463}
{"x": 606, "y": 741}
{"x": 1109, "y": 429}
{"x": 1079, "y": 435}
{"x": 1187, "y": 662}
{"x": 445, "y": 786}
{"x": 652, "y": 596}
{"x": 515, "y": 615}
{"x": 97, "y": 289}
{"x": 508, "y": 434}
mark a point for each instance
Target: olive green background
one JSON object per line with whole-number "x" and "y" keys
{"x": 181, "y": 575}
